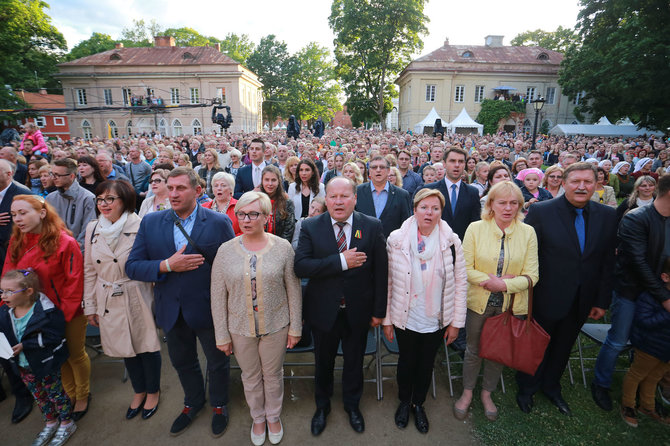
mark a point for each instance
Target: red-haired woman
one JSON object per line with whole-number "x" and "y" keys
{"x": 40, "y": 240}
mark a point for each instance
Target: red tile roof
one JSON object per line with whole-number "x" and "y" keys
{"x": 486, "y": 54}
{"x": 174, "y": 55}
{"x": 42, "y": 101}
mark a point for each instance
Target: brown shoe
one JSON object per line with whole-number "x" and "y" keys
{"x": 655, "y": 415}
{"x": 629, "y": 416}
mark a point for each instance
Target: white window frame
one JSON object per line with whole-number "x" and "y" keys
{"x": 41, "y": 121}
{"x": 86, "y": 129}
{"x": 195, "y": 95}
{"x": 80, "y": 96}
{"x": 177, "y": 128}
{"x": 127, "y": 94}
{"x": 550, "y": 99}
{"x": 162, "y": 127}
{"x": 459, "y": 93}
{"x": 479, "y": 93}
{"x": 58, "y": 121}
{"x": 197, "y": 126}
{"x": 221, "y": 94}
{"x": 107, "y": 92}
{"x": 114, "y": 128}
{"x": 129, "y": 127}
{"x": 578, "y": 98}
{"x": 431, "y": 92}
{"x": 174, "y": 96}
{"x": 530, "y": 94}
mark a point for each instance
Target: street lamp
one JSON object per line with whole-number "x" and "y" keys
{"x": 537, "y": 105}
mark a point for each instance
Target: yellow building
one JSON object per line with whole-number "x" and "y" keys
{"x": 457, "y": 76}
{"x": 129, "y": 91}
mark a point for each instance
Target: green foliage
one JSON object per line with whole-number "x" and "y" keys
{"x": 544, "y": 128}
{"x": 270, "y": 61}
{"x": 140, "y": 34}
{"x": 95, "y": 44}
{"x": 30, "y": 46}
{"x": 237, "y": 47}
{"x": 186, "y": 37}
{"x": 374, "y": 40}
{"x": 622, "y": 64}
{"x": 10, "y": 101}
{"x": 493, "y": 111}
{"x": 559, "y": 40}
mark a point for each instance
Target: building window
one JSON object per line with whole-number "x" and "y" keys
{"x": 543, "y": 56}
{"x": 467, "y": 54}
{"x": 150, "y": 92}
{"x": 80, "y": 94}
{"x": 195, "y": 95}
{"x": 107, "y": 92}
{"x": 430, "y": 93}
{"x": 578, "y": 98}
{"x": 113, "y": 129}
{"x": 527, "y": 126}
{"x": 176, "y": 128}
{"x": 530, "y": 93}
{"x": 197, "y": 127}
{"x": 127, "y": 94}
{"x": 221, "y": 94}
{"x": 86, "y": 129}
{"x": 551, "y": 96}
{"x": 41, "y": 121}
{"x": 479, "y": 93}
{"x": 459, "y": 96}
{"x": 59, "y": 121}
{"x": 162, "y": 127}
{"x": 129, "y": 128}
{"x": 174, "y": 96}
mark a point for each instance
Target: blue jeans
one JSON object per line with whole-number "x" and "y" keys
{"x": 622, "y": 311}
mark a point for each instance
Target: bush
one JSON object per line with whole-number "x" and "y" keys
{"x": 493, "y": 111}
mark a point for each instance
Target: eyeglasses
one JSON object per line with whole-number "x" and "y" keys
{"x": 251, "y": 215}
{"x": 10, "y": 292}
{"x": 60, "y": 175}
{"x": 156, "y": 181}
{"x": 107, "y": 200}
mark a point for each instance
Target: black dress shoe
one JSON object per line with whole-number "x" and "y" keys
{"x": 319, "y": 420}
{"x": 402, "y": 415}
{"x": 148, "y": 413}
{"x": 601, "y": 396}
{"x": 132, "y": 413}
{"x": 525, "y": 402}
{"x": 184, "y": 420}
{"x": 420, "y": 419}
{"x": 356, "y": 420}
{"x": 219, "y": 421}
{"x": 22, "y": 408}
{"x": 559, "y": 402}
{"x": 78, "y": 415}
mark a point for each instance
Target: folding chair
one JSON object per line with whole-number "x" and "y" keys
{"x": 94, "y": 343}
{"x": 453, "y": 376}
{"x": 305, "y": 349}
{"x": 392, "y": 349}
{"x": 372, "y": 348}
{"x": 596, "y": 333}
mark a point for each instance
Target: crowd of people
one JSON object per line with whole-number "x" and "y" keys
{"x": 253, "y": 244}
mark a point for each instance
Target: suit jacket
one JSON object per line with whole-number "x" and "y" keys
{"x": 398, "y": 206}
{"x": 21, "y": 173}
{"x": 567, "y": 274}
{"x": 244, "y": 181}
{"x": 364, "y": 288}
{"x": 187, "y": 291}
{"x": 5, "y": 206}
{"x": 468, "y": 206}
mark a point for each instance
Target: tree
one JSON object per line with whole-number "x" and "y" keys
{"x": 493, "y": 111}
{"x": 140, "y": 34}
{"x": 237, "y": 47}
{"x": 559, "y": 40}
{"x": 270, "y": 62}
{"x": 30, "y": 46}
{"x": 313, "y": 91}
{"x": 187, "y": 37}
{"x": 622, "y": 64}
{"x": 374, "y": 40}
{"x": 95, "y": 44}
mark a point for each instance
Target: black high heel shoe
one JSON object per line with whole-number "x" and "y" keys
{"x": 132, "y": 413}
{"x": 148, "y": 413}
{"x": 78, "y": 415}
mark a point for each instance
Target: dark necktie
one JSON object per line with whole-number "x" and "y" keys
{"x": 341, "y": 237}
{"x": 580, "y": 227}
{"x": 454, "y": 198}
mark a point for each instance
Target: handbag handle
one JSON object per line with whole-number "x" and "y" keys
{"x": 529, "y": 317}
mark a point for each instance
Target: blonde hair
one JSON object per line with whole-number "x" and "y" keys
{"x": 249, "y": 197}
{"x": 357, "y": 172}
{"x": 398, "y": 176}
{"x": 426, "y": 193}
{"x": 549, "y": 171}
{"x": 504, "y": 188}
{"x": 290, "y": 161}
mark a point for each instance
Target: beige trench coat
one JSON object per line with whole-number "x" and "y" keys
{"x": 126, "y": 320}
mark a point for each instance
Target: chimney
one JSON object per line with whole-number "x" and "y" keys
{"x": 446, "y": 41}
{"x": 164, "y": 41}
{"x": 217, "y": 45}
{"x": 118, "y": 46}
{"x": 43, "y": 91}
{"x": 493, "y": 41}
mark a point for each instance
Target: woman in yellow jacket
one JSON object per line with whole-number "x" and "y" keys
{"x": 498, "y": 251}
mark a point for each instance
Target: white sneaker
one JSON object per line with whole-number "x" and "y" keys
{"x": 44, "y": 436}
{"x": 63, "y": 434}
{"x": 257, "y": 440}
{"x": 275, "y": 438}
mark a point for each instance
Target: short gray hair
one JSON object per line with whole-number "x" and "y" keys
{"x": 249, "y": 197}
{"x": 228, "y": 178}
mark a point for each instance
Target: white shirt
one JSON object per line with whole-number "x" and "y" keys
{"x": 256, "y": 172}
{"x": 347, "y": 233}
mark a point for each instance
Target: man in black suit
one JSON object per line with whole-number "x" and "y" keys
{"x": 576, "y": 238}
{"x": 380, "y": 199}
{"x": 343, "y": 254}
{"x": 249, "y": 177}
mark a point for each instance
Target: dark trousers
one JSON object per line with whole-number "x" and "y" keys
{"x": 182, "y": 348}
{"x": 144, "y": 371}
{"x": 353, "y": 340}
{"x": 19, "y": 389}
{"x": 563, "y": 334}
{"x": 415, "y": 363}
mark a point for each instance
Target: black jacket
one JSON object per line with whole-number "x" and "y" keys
{"x": 468, "y": 206}
{"x": 44, "y": 338}
{"x": 398, "y": 206}
{"x": 640, "y": 254}
{"x": 651, "y": 328}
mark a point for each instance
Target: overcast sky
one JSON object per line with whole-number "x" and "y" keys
{"x": 298, "y": 22}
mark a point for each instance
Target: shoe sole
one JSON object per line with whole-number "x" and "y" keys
{"x": 176, "y": 434}
{"x": 629, "y": 423}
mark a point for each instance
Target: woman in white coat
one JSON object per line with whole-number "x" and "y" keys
{"x": 305, "y": 188}
{"x": 119, "y": 306}
{"x": 427, "y": 288}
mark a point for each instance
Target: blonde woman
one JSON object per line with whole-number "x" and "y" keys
{"x": 395, "y": 177}
{"x": 353, "y": 172}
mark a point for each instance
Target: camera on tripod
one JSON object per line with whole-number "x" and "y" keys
{"x": 218, "y": 118}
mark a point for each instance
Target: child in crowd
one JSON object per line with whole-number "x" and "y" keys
{"x": 531, "y": 179}
{"x": 36, "y": 330}
{"x": 429, "y": 175}
{"x": 651, "y": 338}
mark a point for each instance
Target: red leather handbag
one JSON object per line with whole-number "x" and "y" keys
{"x": 514, "y": 342}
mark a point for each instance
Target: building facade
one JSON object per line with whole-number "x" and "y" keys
{"x": 164, "y": 89}
{"x": 454, "y": 77}
{"x": 51, "y": 115}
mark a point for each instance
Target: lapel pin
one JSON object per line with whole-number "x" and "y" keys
{"x": 357, "y": 234}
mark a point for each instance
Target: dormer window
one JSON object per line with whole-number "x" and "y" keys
{"x": 188, "y": 55}
{"x": 115, "y": 56}
{"x": 467, "y": 54}
{"x": 543, "y": 56}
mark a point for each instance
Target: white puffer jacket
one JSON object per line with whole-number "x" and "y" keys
{"x": 454, "y": 300}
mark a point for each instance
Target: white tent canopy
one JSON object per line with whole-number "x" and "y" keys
{"x": 600, "y": 130}
{"x": 428, "y": 121}
{"x": 603, "y": 121}
{"x": 464, "y": 121}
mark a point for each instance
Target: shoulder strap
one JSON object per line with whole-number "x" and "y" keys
{"x": 94, "y": 228}
{"x": 178, "y": 224}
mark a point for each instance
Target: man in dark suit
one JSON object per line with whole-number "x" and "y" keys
{"x": 343, "y": 254}
{"x": 380, "y": 199}
{"x": 181, "y": 271}
{"x": 249, "y": 177}
{"x": 576, "y": 238}
{"x": 8, "y": 190}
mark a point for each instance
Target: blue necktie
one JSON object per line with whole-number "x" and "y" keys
{"x": 580, "y": 227}
{"x": 454, "y": 198}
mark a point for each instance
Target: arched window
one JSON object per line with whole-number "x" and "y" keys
{"x": 86, "y": 129}
{"x": 527, "y": 126}
{"x": 115, "y": 56}
{"x": 467, "y": 54}
{"x": 162, "y": 127}
{"x": 543, "y": 56}
{"x": 197, "y": 127}
{"x": 113, "y": 129}
{"x": 188, "y": 55}
{"x": 176, "y": 128}
{"x": 129, "y": 127}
